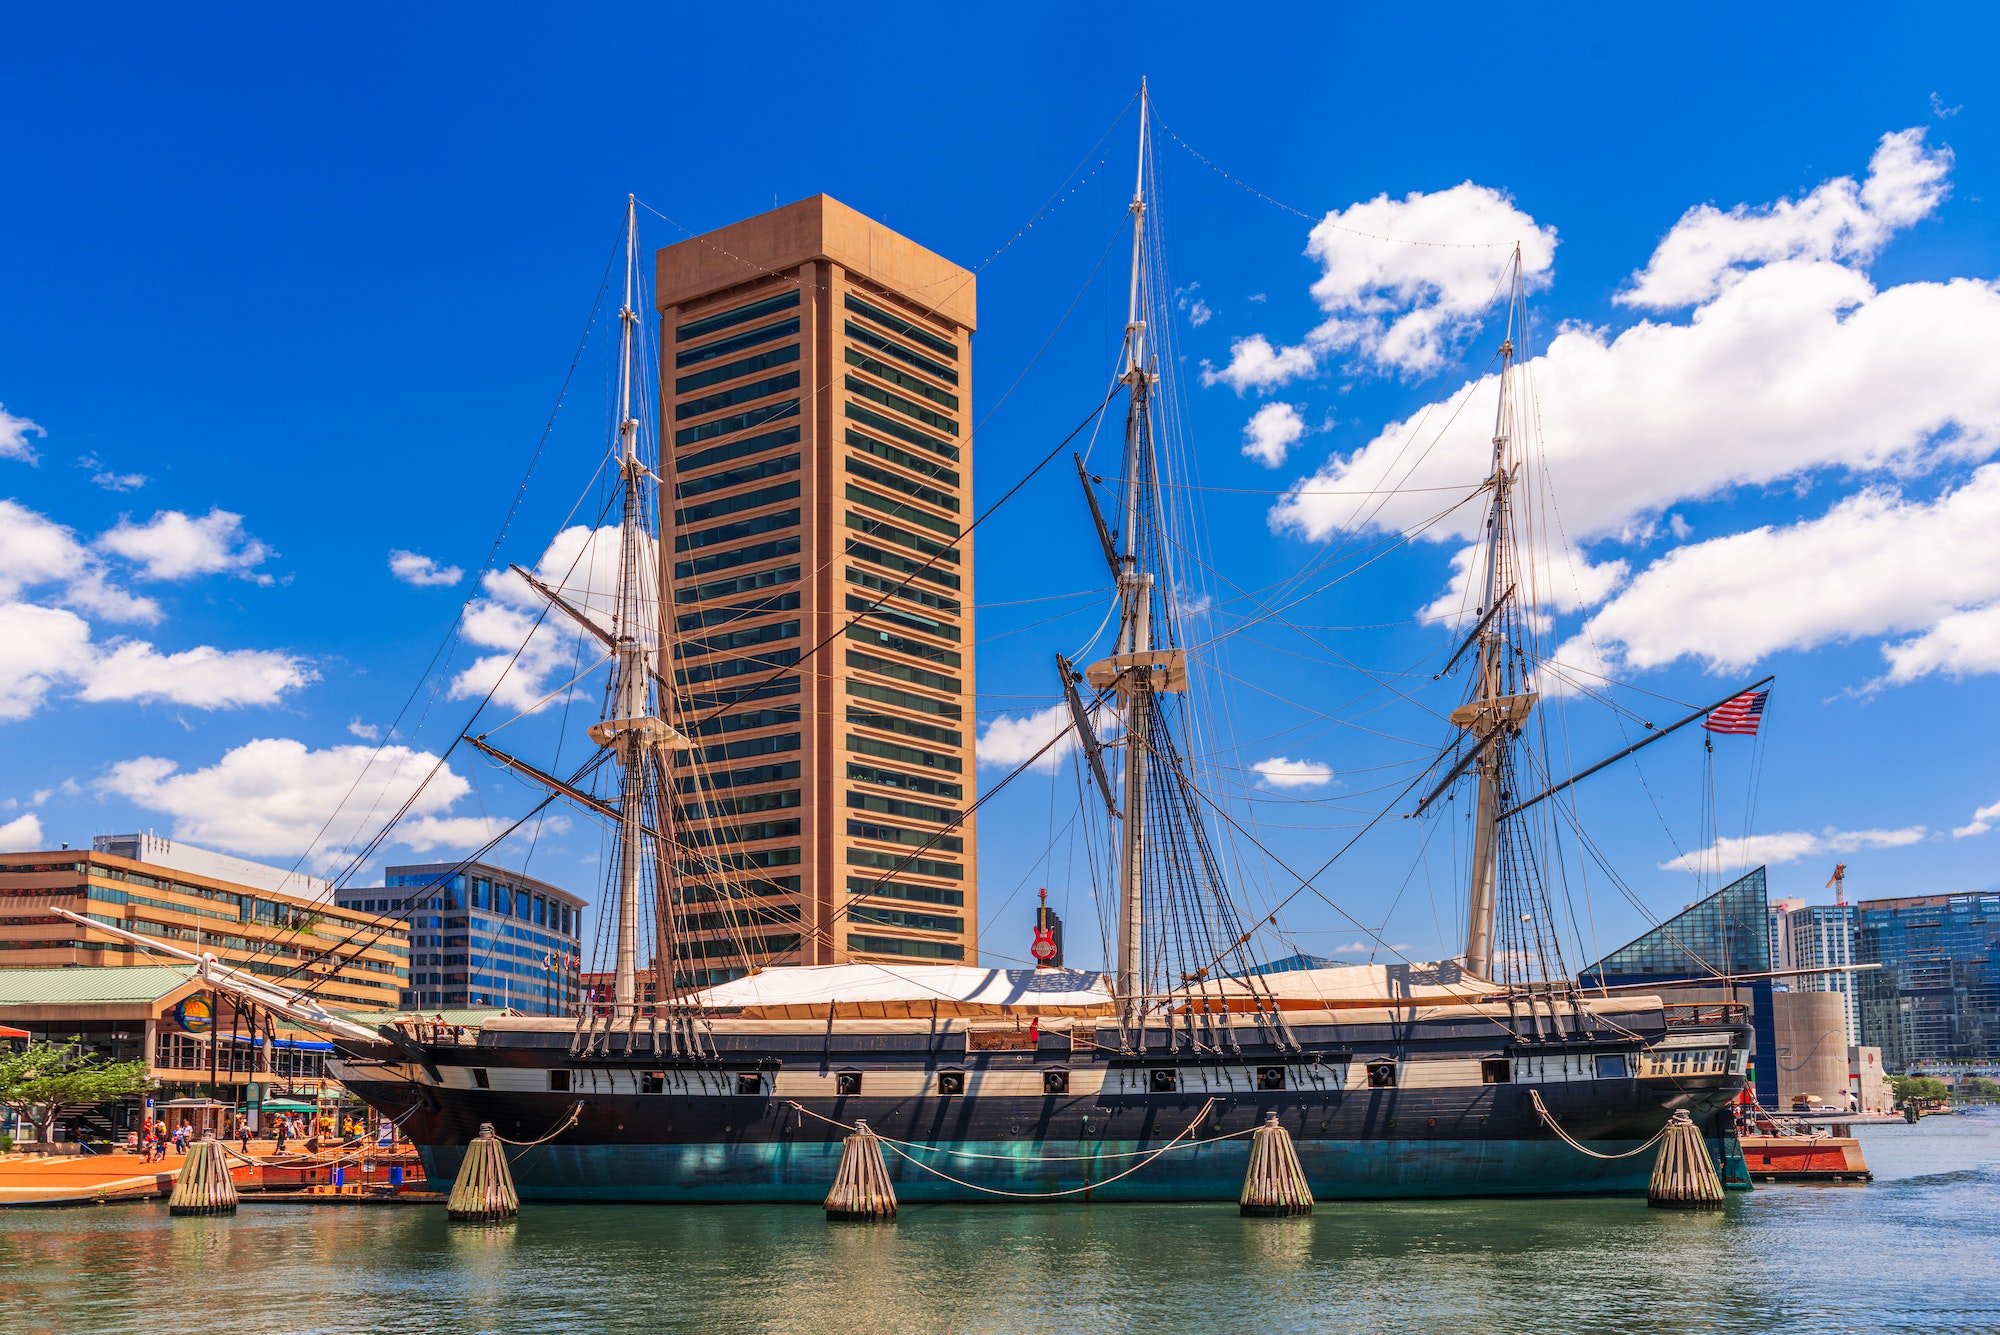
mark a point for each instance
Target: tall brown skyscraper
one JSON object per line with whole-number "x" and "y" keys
{"x": 816, "y": 374}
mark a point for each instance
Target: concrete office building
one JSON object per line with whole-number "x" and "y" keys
{"x": 348, "y": 958}
{"x": 816, "y": 384}
{"x": 481, "y": 936}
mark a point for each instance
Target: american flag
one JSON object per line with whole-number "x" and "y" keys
{"x": 1738, "y": 717}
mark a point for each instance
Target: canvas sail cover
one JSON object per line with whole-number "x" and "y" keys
{"x": 909, "y": 991}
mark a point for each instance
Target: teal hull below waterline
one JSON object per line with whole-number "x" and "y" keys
{"x": 1008, "y": 1171}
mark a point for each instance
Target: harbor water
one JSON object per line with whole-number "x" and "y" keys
{"x": 1919, "y": 1249}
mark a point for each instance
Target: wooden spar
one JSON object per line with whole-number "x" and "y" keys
{"x": 1642, "y": 743}
{"x": 862, "y": 1192}
{"x": 1684, "y": 1177}
{"x": 204, "y": 1185}
{"x": 483, "y": 1192}
{"x": 1274, "y": 1184}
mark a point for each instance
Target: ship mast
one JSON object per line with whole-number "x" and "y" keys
{"x": 1136, "y": 671}
{"x": 630, "y": 729}
{"x": 1498, "y": 707}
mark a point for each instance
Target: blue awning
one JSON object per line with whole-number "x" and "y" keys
{"x": 300, "y": 1044}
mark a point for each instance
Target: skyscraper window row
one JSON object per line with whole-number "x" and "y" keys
{"x": 902, "y": 380}
{"x": 906, "y": 327}
{"x": 755, "y": 690}
{"x": 911, "y": 890}
{"x": 741, "y": 556}
{"x": 876, "y": 638}
{"x": 902, "y": 431}
{"x": 737, "y": 639}
{"x": 742, "y": 834}
{"x": 776, "y": 465}
{"x": 900, "y": 699}
{"x": 757, "y": 665}
{"x": 738, "y": 805}
{"x": 767, "y": 360}
{"x": 708, "y": 324}
{"x": 763, "y": 415}
{"x": 908, "y": 755}
{"x": 903, "y": 565}
{"x": 742, "y": 528}
{"x": 746, "y": 747}
{"x": 723, "y": 347}
{"x": 901, "y": 510}
{"x": 926, "y": 784}
{"x": 915, "y": 949}
{"x": 884, "y": 612}
{"x": 943, "y": 500}
{"x": 903, "y": 864}
{"x": 735, "y": 449}
{"x": 907, "y": 407}
{"x": 864, "y": 915}
{"x": 897, "y": 834}
{"x": 715, "y": 781}
{"x": 902, "y": 458}
{"x": 729, "y": 398}
{"x": 888, "y": 667}
{"x": 747, "y": 720}
{"x": 888, "y": 347}
{"x": 737, "y": 503}
{"x": 861, "y": 717}
{"x": 902, "y": 537}
{"x": 896, "y": 806}
{"x": 735, "y": 584}
{"x": 895, "y": 588}
{"x": 728, "y": 612}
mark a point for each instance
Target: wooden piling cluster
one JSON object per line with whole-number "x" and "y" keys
{"x": 1274, "y": 1184}
{"x": 1684, "y": 1177}
{"x": 204, "y": 1185}
{"x": 861, "y": 1191}
{"x": 484, "y": 1189}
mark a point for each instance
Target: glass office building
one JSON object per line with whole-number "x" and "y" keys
{"x": 1937, "y": 995}
{"x": 482, "y": 936}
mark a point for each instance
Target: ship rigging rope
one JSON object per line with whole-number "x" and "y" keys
{"x": 902, "y": 1148}
{"x": 569, "y": 1120}
{"x": 1535, "y": 1097}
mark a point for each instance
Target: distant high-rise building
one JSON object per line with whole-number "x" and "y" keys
{"x": 816, "y": 387}
{"x": 1937, "y": 995}
{"x": 481, "y": 936}
{"x": 1818, "y": 936}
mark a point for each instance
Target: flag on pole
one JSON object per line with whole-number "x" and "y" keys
{"x": 1738, "y": 717}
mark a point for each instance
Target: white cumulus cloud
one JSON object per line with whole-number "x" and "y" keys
{"x": 173, "y": 545}
{"x": 1279, "y": 772}
{"x": 203, "y": 677}
{"x": 422, "y": 571}
{"x": 1726, "y": 855}
{"x": 14, "y": 433}
{"x": 1404, "y": 307}
{"x": 582, "y": 564}
{"x": 272, "y": 797}
{"x": 1009, "y": 739}
{"x": 1271, "y": 431}
{"x": 23, "y": 834}
{"x": 1839, "y": 220}
{"x": 1982, "y": 821}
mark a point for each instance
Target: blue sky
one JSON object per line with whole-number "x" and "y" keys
{"x": 287, "y": 293}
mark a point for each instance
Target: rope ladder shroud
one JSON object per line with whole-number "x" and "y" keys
{"x": 483, "y": 1192}
{"x": 204, "y": 1186}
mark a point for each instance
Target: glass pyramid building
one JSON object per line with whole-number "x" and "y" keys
{"x": 1727, "y": 933}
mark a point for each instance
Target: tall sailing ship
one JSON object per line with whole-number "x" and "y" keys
{"x": 1490, "y": 1073}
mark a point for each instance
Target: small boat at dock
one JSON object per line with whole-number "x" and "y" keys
{"x": 1777, "y": 1148}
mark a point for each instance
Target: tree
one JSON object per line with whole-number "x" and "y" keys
{"x": 45, "y": 1080}
{"x": 1979, "y": 1090}
{"x": 1909, "y": 1087}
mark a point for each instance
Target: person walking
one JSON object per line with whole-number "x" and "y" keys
{"x": 243, "y": 1134}
{"x": 282, "y": 1133}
